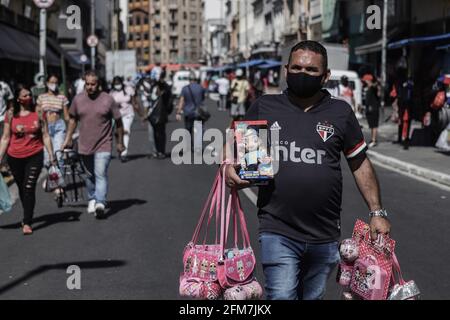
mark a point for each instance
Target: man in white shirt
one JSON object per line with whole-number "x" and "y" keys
{"x": 223, "y": 88}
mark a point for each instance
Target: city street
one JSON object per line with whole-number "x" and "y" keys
{"x": 136, "y": 253}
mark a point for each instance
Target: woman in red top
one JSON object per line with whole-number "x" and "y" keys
{"x": 24, "y": 136}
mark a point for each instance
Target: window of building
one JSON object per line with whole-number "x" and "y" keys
{"x": 138, "y": 20}
{"x": 146, "y": 36}
{"x": 130, "y": 21}
{"x": 268, "y": 19}
{"x": 185, "y": 16}
{"x": 193, "y": 16}
{"x": 146, "y": 20}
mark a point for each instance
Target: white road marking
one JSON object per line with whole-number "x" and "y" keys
{"x": 435, "y": 184}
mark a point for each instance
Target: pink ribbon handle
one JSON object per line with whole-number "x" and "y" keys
{"x": 212, "y": 198}
{"x": 396, "y": 268}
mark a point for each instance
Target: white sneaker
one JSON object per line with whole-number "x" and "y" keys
{"x": 91, "y": 207}
{"x": 99, "y": 210}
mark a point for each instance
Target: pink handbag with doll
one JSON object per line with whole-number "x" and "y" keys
{"x": 372, "y": 270}
{"x": 209, "y": 269}
{"x": 236, "y": 265}
{"x": 199, "y": 277}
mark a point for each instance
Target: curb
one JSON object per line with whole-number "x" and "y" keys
{"x": 412, "y": 169}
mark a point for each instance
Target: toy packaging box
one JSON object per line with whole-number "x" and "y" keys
{"x": 253, "y": 151}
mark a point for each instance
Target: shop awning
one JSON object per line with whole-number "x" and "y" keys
{"x": 72, "y": 57}
{"x": 445, "y": 47}
{"x": 405, "y": 42}
{"x": 369, "y": 48}
{"x": 270, "y": 64}
{"x": 223, "y": 68}
{"x": 20, "y": 46}
{"x": 76, "y": 57}
{"x": 251, "y": 63}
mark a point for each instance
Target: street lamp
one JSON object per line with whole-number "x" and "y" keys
{"x": 43, "y": 5}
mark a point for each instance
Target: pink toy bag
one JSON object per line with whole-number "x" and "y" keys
{"x": 372, "y": 271}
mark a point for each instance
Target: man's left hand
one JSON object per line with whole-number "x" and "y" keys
{"x": 120, "y": 148}
{"x": 379, "y": 225}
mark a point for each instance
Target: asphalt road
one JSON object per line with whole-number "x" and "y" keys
{"x": 154, "y": 206}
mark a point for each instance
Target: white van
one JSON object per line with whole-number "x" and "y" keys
{"x": 180, "y": 80}
{"x": 354, "y": 82}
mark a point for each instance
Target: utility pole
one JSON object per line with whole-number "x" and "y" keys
{"x": 93, "y": 49}
{"x": 43, "y": 40}
{"x": 384, "y": 52}
{"x": 221, "y": 30}
{"x": 247, "y": 53}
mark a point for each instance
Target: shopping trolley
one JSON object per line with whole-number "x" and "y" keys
{"x": 74, "y": 174}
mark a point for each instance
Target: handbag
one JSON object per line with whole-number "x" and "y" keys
{"x": 155, "y": 113}
{"x": 55, "y": 179}
{"x": 236, "y": 266}
{"x": 401, "y": 289}
{"x": 372, "y": 271}
{"x": 200, "y": 113}
{"x": 5, "y": 197}
{"x": 199, "y": 276}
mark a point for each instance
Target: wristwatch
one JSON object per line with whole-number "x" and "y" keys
{"x": 378, "y": 213}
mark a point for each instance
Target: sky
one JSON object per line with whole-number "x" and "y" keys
{"x": 212, "y": 9}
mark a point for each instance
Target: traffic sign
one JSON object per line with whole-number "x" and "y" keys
{"x": 39, "y": 78}
{"x": 43, "y": 4}
{"x": 92, "y": 41}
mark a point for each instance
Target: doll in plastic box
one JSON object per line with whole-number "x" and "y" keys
{"x": 256, "y": 157}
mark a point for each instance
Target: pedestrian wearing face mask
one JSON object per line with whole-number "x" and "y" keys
{"x": 54, "y": 107}
{"x": 146, "y": 96}
{"x": 24, "y": 137}
{"x": 124, "y": 97}
{"x": 299, "y": 211}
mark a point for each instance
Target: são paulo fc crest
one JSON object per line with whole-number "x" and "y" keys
{"x": 325, "y": 130}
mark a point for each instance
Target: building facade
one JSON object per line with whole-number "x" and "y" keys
{"x": 165, "y": 31}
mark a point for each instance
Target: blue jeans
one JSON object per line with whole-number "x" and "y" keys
{"x": 296, "y": 270}
{"x": 97, "y": 175}
{"x": 57, "y": 133}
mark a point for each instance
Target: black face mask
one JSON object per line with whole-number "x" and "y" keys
{"x": 304, "y": 85}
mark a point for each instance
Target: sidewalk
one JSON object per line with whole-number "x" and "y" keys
{"x": 424, "y": 162}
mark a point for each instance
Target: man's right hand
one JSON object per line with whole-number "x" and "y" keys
{"x": 232, "y": 179}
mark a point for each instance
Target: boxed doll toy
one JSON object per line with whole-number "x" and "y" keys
{"x": 253, "y": 151}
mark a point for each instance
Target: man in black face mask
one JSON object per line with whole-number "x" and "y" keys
{"x": 299, "y": 211}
